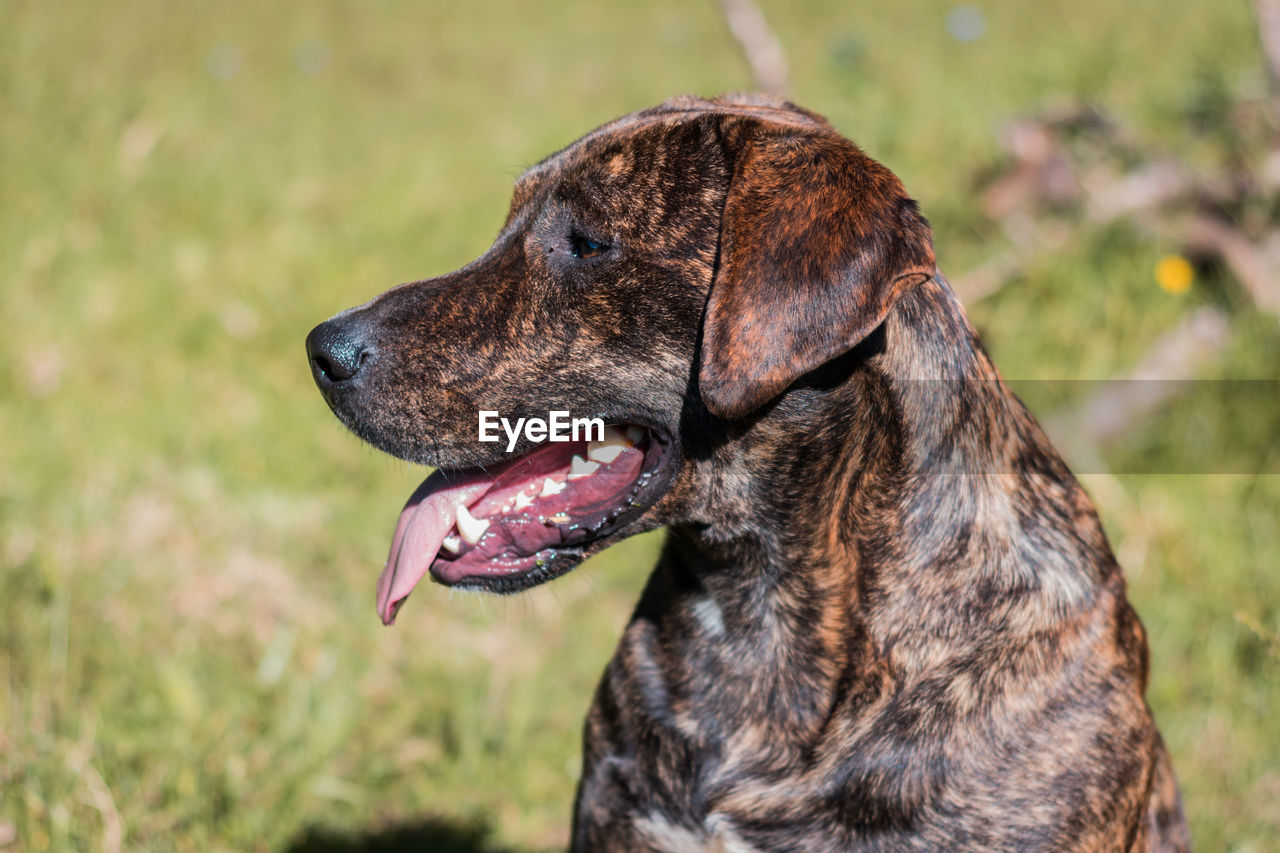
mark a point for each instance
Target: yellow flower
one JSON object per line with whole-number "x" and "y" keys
{"x": 1174, "y": 274}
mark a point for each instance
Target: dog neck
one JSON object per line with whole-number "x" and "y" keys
{"x": 889, "y": 513}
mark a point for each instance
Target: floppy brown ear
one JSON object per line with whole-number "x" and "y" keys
{"x": 817, "y": 242}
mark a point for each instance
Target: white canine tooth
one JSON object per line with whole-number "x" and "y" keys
{"x": 608, "y": 449}
{"x": 580, "y": 468}
{"x": 522, "y": 500}
{"x": 635, "y": 434}
{"x": 470, "y": 527}
{"x": 551, "y": 487}
{"x": 452, "y": 544}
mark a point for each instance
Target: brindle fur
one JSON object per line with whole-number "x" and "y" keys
{"x": 886, "y": 616}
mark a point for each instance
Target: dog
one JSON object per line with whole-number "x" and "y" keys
{"x": 885, "y": 616}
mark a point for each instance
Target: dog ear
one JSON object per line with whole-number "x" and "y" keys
{"x": 817, "y": 242}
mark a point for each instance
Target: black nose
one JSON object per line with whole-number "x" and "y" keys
{"x": 337, "y": 350}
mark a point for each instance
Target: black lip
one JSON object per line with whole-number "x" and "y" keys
{"x": 560, "y": 562}
{"x": 660, "y": 463}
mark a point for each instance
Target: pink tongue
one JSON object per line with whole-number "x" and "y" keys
{"x": 424, "y": 521}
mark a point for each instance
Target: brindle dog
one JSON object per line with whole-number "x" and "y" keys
{"x": 886, "y": 616}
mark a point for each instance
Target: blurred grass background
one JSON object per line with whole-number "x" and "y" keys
{"x": 189, "y": 656}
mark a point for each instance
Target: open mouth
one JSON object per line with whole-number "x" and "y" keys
{"x": 526, "y": 521}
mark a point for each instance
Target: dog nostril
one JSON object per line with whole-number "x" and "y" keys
{"x": 322, "y": 364}
{"x": 336, "y": 352}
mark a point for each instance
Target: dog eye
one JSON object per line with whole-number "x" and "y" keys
{"x": 585, "y": 247}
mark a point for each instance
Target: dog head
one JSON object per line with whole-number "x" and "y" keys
{"x": 682, "y": 265}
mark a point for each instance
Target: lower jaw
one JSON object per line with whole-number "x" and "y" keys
{"x": 509, "y": 571}
{"x": 506, "y": 574}
{"x": 566, "y": 548}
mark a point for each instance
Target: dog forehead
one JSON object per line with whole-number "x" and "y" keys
{"x": 612, "y": 147}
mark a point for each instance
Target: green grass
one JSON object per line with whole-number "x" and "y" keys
{"x": 188, "y": 540}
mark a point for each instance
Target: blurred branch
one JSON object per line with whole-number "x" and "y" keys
{"x": 998, "y": 270}
{"x": 1147, "y": 187}
{"x": 1073, "y": 164}
{"x": 1072, "y": 168}
{"x": 1255, "y": 268}
{"x": 1268, "y": 14}
{"x": 759, "y": 44}
{"x": 98, "y": 794}
{"x": 1113, "y": 411}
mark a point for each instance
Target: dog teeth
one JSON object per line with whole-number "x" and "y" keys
{"x": 551, "y": 487}
{"x": 470, "y": 527}
{"x": 580, "y": 468}
{"x": 452, "y": 544}
{"x": 609, "y": 448}
{"x": 523, "y": 500}
{"x": 559, "y": 518}
{"x": 635, "y": 434}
